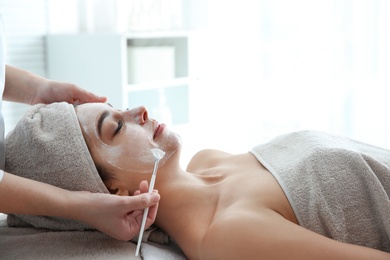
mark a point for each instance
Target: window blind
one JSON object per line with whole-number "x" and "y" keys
{"x": 25, "y": 23}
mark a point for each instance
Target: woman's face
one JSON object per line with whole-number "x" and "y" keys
{"x": 121, "y": 141}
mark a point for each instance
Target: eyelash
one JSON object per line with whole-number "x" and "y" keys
{"x": 120, "y": 124}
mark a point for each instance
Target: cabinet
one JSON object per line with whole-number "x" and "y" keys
{"x": 148, "y": 69}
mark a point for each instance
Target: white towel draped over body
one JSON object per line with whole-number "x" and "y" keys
{"x": 336, "y": 186}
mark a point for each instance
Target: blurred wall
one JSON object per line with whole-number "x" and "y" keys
{"x": 260, "y": 67}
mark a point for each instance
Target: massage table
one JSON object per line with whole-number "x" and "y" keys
{"x": 31, "y": 243}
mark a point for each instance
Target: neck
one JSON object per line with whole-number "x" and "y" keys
{"x": 182, "y": 195}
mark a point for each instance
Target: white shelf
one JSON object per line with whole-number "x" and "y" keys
{"x": 156, "y": 34}
{"x": 156, "y": 84}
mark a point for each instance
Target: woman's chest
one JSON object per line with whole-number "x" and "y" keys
{"x": 249, "y": 187}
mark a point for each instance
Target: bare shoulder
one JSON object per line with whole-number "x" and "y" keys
{"x": 205, "y": 159}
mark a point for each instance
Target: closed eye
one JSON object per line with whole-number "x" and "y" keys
{"x": 120, "y": 124}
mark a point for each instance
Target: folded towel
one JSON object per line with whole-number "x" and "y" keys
{"x": 32, "y": 243}
{"x": 51, "y": 133}
{"x": 154, "y": 234}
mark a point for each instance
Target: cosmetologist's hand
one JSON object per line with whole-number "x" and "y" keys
{"x": 28, "y": 88}
{"x": 120, "y": 216}
{"x": 55, "y": 91}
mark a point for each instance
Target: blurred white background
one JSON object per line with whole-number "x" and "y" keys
{"x": 258, "y": 68}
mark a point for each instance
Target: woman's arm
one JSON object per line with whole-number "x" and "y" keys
{"x": 25, "y": 87}
{"x": 119, "y": 217}
{"x": 270, "y": 236}
{"x": 23, "y": 196}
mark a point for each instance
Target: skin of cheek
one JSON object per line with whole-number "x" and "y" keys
{"x": 129, "y": 160}
{"x": 129, "y": 170}
{"x": 135, "y": 155}
{"x": 132, "y": 163}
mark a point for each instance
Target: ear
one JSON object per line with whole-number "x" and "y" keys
{"x": 117, "y": 190}
{"x": 122, "y": 192}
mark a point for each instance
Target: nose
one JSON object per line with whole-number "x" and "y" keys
{"x": 140, "y": 114}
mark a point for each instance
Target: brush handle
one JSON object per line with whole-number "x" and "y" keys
{"x": 141, "y": 233}
{"x": 153, "y": 179}
{"x": 144, "y": 217}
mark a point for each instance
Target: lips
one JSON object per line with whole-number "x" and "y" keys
{"x": 159, "y": 129}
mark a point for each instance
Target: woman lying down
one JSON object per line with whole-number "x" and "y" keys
{"x": 304, "y": 195}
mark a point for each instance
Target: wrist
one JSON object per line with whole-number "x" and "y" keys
{"x": 78, "y": 206}
{"x": 20, "y": 85}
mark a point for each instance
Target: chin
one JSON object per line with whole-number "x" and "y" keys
{"x": 173, "y": 139}
{"x": 171, "y": 146}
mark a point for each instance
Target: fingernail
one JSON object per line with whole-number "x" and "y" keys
{"x": 155, "y": 197}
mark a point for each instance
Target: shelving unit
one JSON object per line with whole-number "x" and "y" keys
{"x": 148, "y": 69}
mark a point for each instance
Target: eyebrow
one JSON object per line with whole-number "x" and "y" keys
{"x": 100, "y": 121}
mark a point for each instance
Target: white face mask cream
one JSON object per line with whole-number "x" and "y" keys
{"x": 125, "y": 159}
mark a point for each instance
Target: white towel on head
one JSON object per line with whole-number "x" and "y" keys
{"x": 47, "y": 145}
